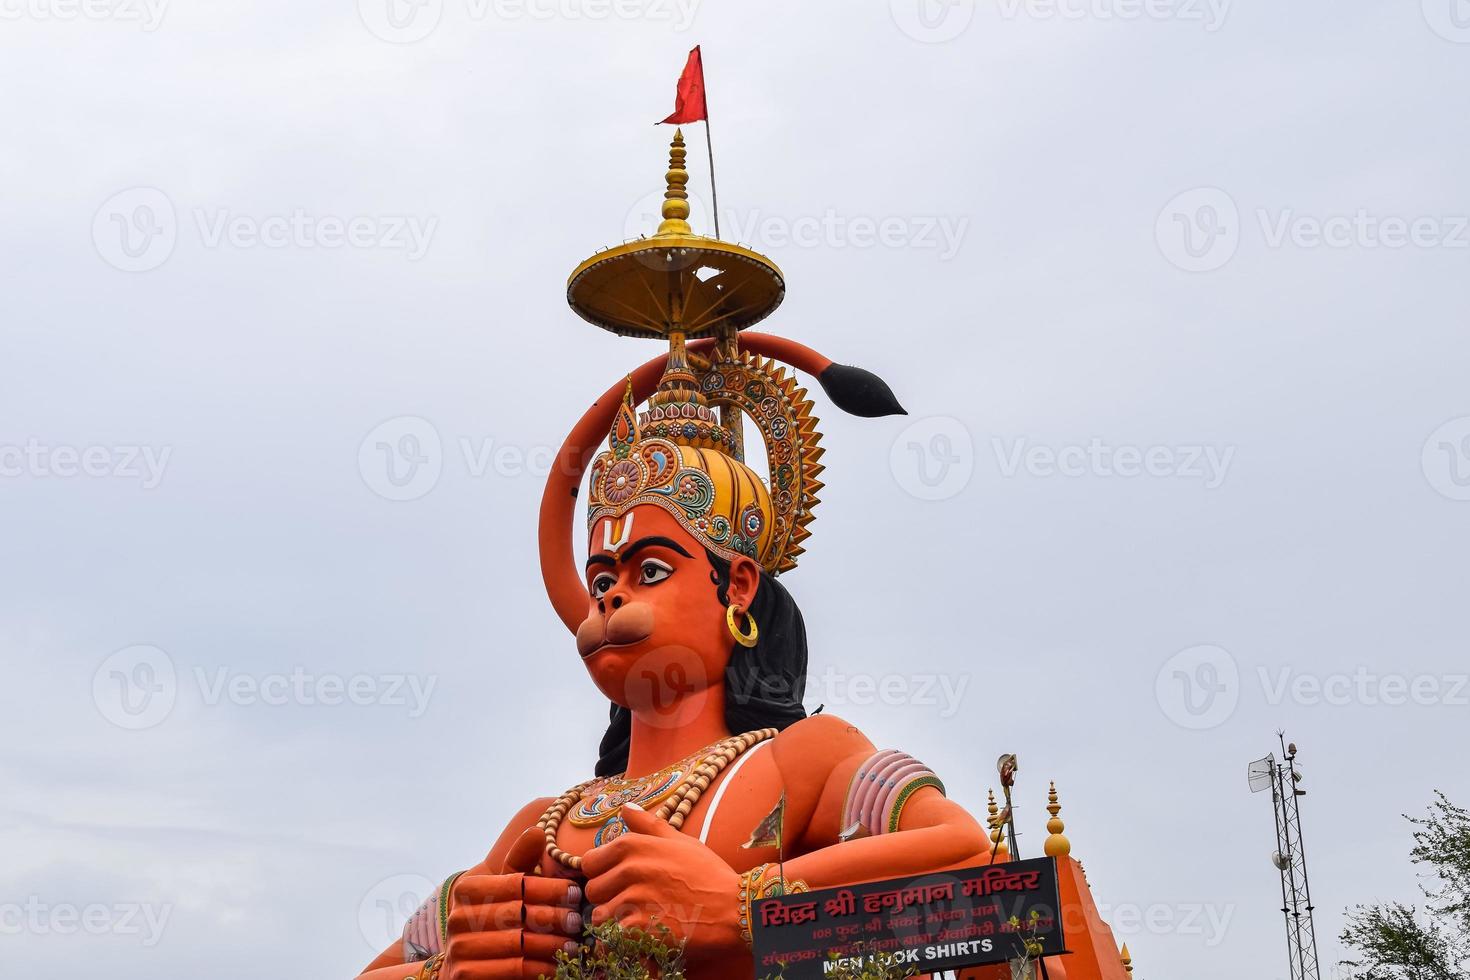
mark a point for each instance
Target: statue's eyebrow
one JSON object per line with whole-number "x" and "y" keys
{"x": 633, "y": 549}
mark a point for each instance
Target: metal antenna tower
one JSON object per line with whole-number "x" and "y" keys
{"x": 1283, "y": 779}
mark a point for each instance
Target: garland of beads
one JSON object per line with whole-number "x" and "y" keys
{"x": 675, "y": 809}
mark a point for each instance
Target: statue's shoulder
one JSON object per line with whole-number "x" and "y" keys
{"x": 820, "y": 741}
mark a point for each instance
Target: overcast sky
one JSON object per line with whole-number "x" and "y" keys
{"x": 1174, "y": 291}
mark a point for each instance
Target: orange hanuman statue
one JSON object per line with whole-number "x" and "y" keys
{"x": 683, "y": 624}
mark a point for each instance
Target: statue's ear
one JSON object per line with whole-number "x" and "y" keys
{"x": 745, "y": 580}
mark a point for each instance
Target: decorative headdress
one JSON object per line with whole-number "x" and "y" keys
{"x": 685, "y": 450}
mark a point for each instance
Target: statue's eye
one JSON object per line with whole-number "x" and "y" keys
{"x": 602, "y": 583}
{"x": 653, "y": 571}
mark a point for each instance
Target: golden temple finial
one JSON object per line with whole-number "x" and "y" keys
{"x": 1057, "y": 844}
{"x": 676, "y": 198}
{"x": 1127, "y": 958}
{"x": 993, "y": 821}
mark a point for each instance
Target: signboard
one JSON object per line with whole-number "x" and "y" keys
{"x": 935, "y": 922}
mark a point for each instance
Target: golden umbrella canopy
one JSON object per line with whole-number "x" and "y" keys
{"x": 676, "y": 282}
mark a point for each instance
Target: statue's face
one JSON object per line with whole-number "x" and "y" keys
{"x": 655, "y": 631}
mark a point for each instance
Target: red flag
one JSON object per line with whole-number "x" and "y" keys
{"x": 767, "y": 833}
{"x": 689, "y": 101}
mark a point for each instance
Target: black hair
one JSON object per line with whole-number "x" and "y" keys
{"x": 764, "y": 684}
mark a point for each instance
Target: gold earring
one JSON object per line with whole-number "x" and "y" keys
{"x": 748, "y": 638}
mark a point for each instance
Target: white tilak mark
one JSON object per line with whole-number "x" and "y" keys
{"x": 625, "y": 532}
{"x": 714, "y": 804}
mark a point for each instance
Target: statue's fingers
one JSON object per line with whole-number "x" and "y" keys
{"x": 611, "y": 883}
{"x": 619, "y": 909}
{"x": 545, "y": 947}
{"x": 478, "y": 889}
{"x": 486, "y": 917}
{"x": 532, "y": 969}
{"x": 544, "y": 918}
{"x": 552, "y": 891}
{"x": 525, "y": 854}
{"x": 640, "y": 821}
{"x": 483, "y": 946}
{"x": 501, "y": 968}
{"x": 629, "y": 846}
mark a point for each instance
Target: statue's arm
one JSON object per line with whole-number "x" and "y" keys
{"x": 934, "y": 834}
{"x": 389, "y": 964}
{"x": 928, "y": 832}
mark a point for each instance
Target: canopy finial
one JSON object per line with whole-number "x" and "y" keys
{"x": 676, "y": 198}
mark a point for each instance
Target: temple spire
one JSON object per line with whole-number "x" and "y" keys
{"x": 1057, "y": 844}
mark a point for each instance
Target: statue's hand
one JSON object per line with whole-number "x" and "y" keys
{"x": 654, "y": 875}
{"x": 509, "y": 926}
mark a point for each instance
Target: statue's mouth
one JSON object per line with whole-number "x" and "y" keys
{"x": 604, "y": 647}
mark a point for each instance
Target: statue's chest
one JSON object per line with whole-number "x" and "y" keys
{"x": 721, "y": 815}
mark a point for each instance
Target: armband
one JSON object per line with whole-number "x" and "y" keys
{"x": 430, "y": 969}
{"x": 763, "y": 881}
{"x": 879, "y": 790}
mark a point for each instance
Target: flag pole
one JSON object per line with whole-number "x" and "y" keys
{"x": 709, "y": 145}
{"x": 781, "y": 823}
{"x": 714, "y": 194}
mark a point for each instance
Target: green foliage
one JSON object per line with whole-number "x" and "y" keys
{"x": 619, "y": 953}
{"x": 1397, "y": 942}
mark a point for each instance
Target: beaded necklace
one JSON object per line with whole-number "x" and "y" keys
{"x": 678, "y": 792}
